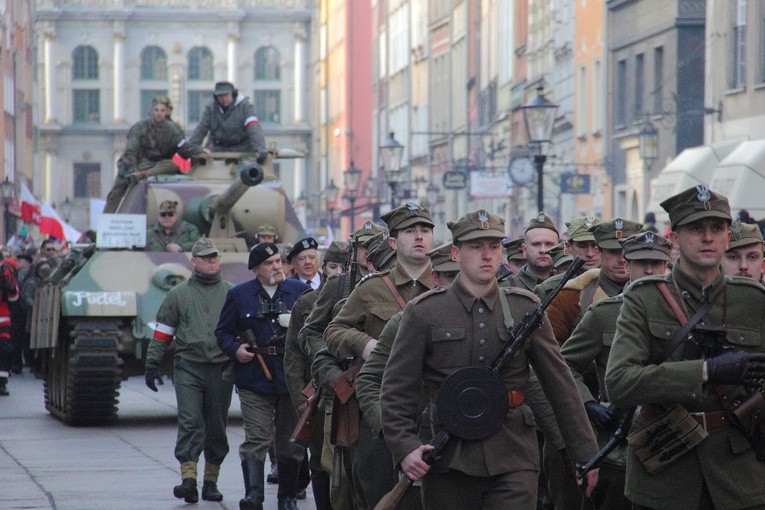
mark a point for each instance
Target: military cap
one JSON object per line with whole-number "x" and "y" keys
{"x": 441, "y": 259}
{"x": 744, "y": 234}
{"x": 694, "y": 204}
{"x": 541, "y": 220}
{"x": 407, "y": 215}
{"x": 514, "y": 249}
{"x": 309, "y": 243}
{"x": 579, "y": 229}
{"x": 261, "y": 252}
{"x": 381, "y": 254}
{"x": 367, "y": 231}
{"x": 223, "y": 87}
{"x": 477, "y": 225}
{"x": 162, "y": 100}
{"x": 559, "y": 256}
{"x": 608, "y": 233}
{"x": 266, "y": 230}
{"x": 336, "y": 252}
{"x": 372, "y": 242}
{"x": 646, "y": 246}
{"x": 168, "y": 205}
{"x": 204, "y": 247}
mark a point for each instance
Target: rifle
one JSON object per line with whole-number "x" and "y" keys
{"x": 249, "y": 338}
{"x": 303, "y": 432}
{"x": 353, "y": 265}
{"x": 618, "y": 438}
{"x": 518, "y": 337}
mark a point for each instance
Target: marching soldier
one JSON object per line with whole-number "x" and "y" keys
{"x": 540, "y": 237}
{"x": 647, "y": 254}
{"x": 744, "y": 256}
{"x": 464, "y": 325}
{"x": 687, "y": 344}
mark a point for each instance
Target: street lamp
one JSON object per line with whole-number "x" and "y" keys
{"x": 330, "y": 194}
{"x": 648, "y": 140}
{"x": 390, "y": 155}
{"x": 539, "y": 115}
{"x": 7, "y": 190}
{"x": 351, "y": 181}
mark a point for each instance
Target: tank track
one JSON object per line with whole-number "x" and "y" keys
{"x": 83, "y": 375}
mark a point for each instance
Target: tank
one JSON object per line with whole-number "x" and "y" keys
{"x": 92, "y": 318}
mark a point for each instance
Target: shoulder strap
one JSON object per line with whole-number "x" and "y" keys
{"x": 687, "y": 324}
{"x": 392, "y": 288}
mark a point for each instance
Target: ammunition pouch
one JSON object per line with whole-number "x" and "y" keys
{"x": 346, "y": 413}
{"x": 749, "y": 416}
{"x": 669, "y": 436}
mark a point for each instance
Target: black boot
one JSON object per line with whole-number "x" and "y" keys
{"x": 289, "y": 473}
{"x": 210, "y": 492}
{"x": 253, "y": 471}
{"x": 187, "y": 490}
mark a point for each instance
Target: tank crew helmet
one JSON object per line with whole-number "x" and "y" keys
{"x": 646, "y": 246}
{"x": 309, "y": 243}
{"x": 744, "y": 234}
{"x": 694, "y": 204}
{"x": 260, "y": 252}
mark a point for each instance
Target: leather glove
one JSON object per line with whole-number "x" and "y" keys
{"x": 736, "y": 367}
{"x": 152, "y": 377}
{"x": 602, "y": 417}
{"x": 262, "y": 157}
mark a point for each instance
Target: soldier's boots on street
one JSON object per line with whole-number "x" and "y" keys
{"x": 289, "y": 472}
{"x": 210, "y": 492}
{"x": 253, "y": 473}
{"x": 187, "y": 490}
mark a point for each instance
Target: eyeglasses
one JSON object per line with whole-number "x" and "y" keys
{"x": 167, "y": 214}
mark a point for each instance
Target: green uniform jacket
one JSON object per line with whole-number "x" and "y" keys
{"x": 234, "y": 129}
{"x": 148, "y": 143}
{"x": 725, "y": 461}
{"x": 368, "y": 309}
{"x": 191, "y": 309}
{"x": 448, "y": 329}
{"x": 297, "y": 366}
{"x": 548, "y": 285}
{"x": 184, "y": 234}
{"x": 523, "y": 279}
{"x": 591, "y": 342}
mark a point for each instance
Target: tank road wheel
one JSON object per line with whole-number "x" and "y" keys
{"x": 83, "y": 375}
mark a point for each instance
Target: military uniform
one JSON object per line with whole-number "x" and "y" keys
{"x": 525, "y": 279}
{"x": 202, "y": 375}
{"x": 184, "y": 234}
{"x": 235, "y": 129}
{"x": 448, "y": 329}
{"x": 721, "y": 471}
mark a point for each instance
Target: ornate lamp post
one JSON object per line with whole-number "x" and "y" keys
{"x": 648, "y": 140}
{"x": 390, "y": 155}
{"x": 7, "y": 191}
{"x": 351, "y": 181}
{"x": 539, "y": 115}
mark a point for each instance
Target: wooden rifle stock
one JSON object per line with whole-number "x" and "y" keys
{"x": 304, "y": 429}
{"x": 249, "y": 337}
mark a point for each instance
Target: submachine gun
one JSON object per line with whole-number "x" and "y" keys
{"x": 472, "y": 402}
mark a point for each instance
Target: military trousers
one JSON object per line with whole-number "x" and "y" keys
{"x": 268, "y": 418}
{"x": 455, "y": 490}
{"x": 337, "y": 464}
{"x": 203, "y": 392}
{"x": 121, "y": 184}
{"x": 564, "y": 493}
{"x": 609, "y": 493}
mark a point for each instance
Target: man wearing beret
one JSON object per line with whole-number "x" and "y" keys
{"x": 744, "y": 256}
{"x": 202, "y": 375}
{"x": 260, "y": 306}
{"x": 647, "y": 254}
{"x": 465, "y": 325}
{"x": 356, "y": 328}
{"x": 667, "y": 358}
{"x": 304, "y": 257}
{"x": 297, "y": 368}
{"x": 540, "y": 237}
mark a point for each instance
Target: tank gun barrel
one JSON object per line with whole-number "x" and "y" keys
{"x": 250, "y": 174}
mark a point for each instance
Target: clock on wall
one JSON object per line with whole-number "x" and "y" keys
{"x": 521, "y": 170}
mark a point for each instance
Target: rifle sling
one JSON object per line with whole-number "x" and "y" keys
{"x": 685, "y": 322}
{"x": 392, "y": 288}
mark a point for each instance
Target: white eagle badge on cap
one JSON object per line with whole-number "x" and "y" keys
{"x": 412, "y": 206}
{"x": 589, "y": 221}
{"x": 736, "y": 232}
{"x": 648, "y": 240}
{"x": 703, "y": 196}
{"x": 541, "y": 217}
{"x": 619, "y": 226}
{"x": 483, "y": 218}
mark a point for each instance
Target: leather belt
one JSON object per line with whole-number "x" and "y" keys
{"x": 711, "y": 421}
{"x": 515, "y": 398}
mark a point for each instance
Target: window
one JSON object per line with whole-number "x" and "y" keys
{"x": 200, "y": 64}
{"x": 581, "y": 102}
{"x": 197, "y": 101}
{"x": 147, "y": 96}
{"x": 87, "y": 107}
{"x": 267, "y": 64}
{"x": 639, "y": 85}
{"x": 153, "y": 63}
{"x": 597, "y": 92}
{"x": 737, "y": 70}
{"x": 658, "y": 79}
{"x": 267, "y": 105}
{"x": 87, "y": 180}
{"x": 620, "y": 98}
{"x": 85, "y": 63}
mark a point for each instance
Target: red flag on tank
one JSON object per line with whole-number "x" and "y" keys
{"x": 183, "y": 164}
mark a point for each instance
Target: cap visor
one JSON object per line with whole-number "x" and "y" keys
{"x": 414, "y": 221}
{"x": 647, "y": 255}
{"x": 208, "y": 251}
{"x": 482, "y": 234}
{"x": 701, "y": 215}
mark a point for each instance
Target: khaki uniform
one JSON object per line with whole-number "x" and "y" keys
{"x": 184, "y": 234}
{"x": 446, "y": 330}
{"x": 722, "y": 468}
{"x": 523, "y": 280}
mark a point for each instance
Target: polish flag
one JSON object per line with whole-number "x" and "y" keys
{"x": 45, "y": 217}
{"x": 30, "y": 207}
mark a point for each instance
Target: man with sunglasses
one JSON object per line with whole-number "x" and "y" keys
{"x": 170, "y": 233}
{"x": 203, "y": 378}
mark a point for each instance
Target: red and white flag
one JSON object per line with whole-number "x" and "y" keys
{"x": 30, "y": 207}
{"x": 45, "y": 217}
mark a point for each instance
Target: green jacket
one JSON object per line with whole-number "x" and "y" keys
{"x": 184, "y": 234}
{"x": 297, "y": 366}
{"x": 639, "y": 373}
{"x": 148, "y": 143}
{"x": 189, "y": 314}
{"x": 523, "y": 279}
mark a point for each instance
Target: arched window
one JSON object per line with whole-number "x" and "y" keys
{"x": 267, "y": 63}
{"x": 153, "y": 63}
{"x": 200, "y": 64}
{"x": 85, "y": 63}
